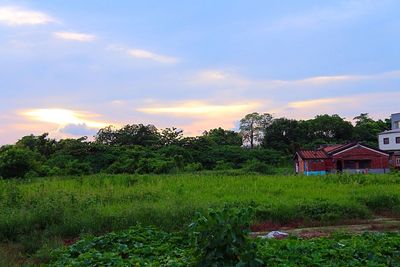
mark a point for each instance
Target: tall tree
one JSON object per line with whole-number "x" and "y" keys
{"x": 253, "y": 125}
{"x": 171, "y": 136}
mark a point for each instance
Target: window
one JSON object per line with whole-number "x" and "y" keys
{"x": 398, "y": 161}
{"x": 397, "y": 140}
{"x": 364, "y": 164}
{"x": 386, "y": 141}
{"x": 350, "y": 164}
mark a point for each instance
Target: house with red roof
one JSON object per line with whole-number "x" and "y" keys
{"x": 349, "y": 158}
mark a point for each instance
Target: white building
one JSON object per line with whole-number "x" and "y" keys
{"x": 390, "y": 140}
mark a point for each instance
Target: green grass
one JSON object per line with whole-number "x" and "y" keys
{"x": 33, "y": 212}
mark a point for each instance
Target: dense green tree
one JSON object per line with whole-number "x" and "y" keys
{"x": 16, "y": 162}
{"x": 366, "y": 129}
{"x": 134, "y": 134}
{"x": 330, "y": 128}
{"x": 107, "y": 135}
{"x": 41, "y": 144}
{"x": 284, "y": 135}
{"x": 171, "y": 136}
{"x": 223, "y": 137}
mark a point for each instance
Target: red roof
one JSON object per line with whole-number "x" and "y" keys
{"x": 312, "y": 154}
{"x": 328, "y": 149}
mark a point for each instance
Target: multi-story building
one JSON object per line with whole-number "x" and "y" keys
{"x": 389, "y": 141}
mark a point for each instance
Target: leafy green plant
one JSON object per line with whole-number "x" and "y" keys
{"x": 138, "y": 246}
{"x": 368, "y": 249}
{"x": 220, "y": 238}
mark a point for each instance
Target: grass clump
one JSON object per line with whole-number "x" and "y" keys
{"x": 368, "y": 249}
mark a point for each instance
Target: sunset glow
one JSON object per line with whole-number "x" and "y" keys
{"x": 72, "y": 68}
{"x": 62, "y": 117}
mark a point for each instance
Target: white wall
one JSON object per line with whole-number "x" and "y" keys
{"x": 392, "y": 141}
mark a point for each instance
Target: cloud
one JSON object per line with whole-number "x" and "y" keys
{"x": 144, "y": 54}
{"x": 323, "y": 102}
{"x": 329, "y": 15}
{"x": 379, "y": 104}
{"x": 63, "y": 117}
{"x": 198, "y": 108}
{"x": 75, "y": 36}
{"x": 196, "y": 116}
{"x": 212, "y": 75}
{"x": 80, "y": 129}
{"x": 16, "y": 16}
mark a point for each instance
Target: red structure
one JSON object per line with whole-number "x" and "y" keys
{"x": 350, "y": 158}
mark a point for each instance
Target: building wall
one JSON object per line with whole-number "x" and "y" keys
{"x": 392, "y": 141}
{"x": 315, "y": 165}
{"x": 378, "y": 160}
{"x": 395, "y": 118}
{"x": 396, "y": 161}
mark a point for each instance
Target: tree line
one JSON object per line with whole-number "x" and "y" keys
{"x": 261, "y": 144}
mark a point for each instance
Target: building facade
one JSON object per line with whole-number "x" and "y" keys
{"x": 389, "y": 141}
{"x": 348, "y": 158}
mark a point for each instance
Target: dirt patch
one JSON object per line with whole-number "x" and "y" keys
{"x": 378, "y": 224}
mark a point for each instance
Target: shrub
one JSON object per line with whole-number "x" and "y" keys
{"x": 77, "y": 168}
{"x": 16, "y": 162}
{"x": 193, "y": 167}
{"x": 223, "y": 165}
{"x": 327, "y": 211}
{"x": 156, "y": 165}
{"x": 220, "y": 238}
{"x": 381, "y": 202}
{"x": 257, "y": 166}
{"x": 123, "y": 165}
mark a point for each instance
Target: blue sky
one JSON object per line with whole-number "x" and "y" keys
{"x": 71, "y": 67}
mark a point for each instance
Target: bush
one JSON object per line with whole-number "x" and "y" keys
{"x": 16, "y": 162}
{"x": 257, "y": 166}
{"x": 381, "y": 202}
{"x": 123, "y": 165}
{"x": 223, "y": 165}
{"x": 77, "y": 168}
{"x": 327, "y": 211}
{"x": 156, "y": 165}
{"x": 220, "y": 238}
{"x": 193, "y": 167}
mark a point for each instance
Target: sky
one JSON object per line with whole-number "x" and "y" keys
{"x": 72, "y": 67}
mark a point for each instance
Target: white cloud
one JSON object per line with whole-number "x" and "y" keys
{"x": 200, "y": 108}
{"x": 378, "y": 104}
{"x": 63, "y": 117}
{"x": 328, "y": 15}
{"x": 144, "y": 54}
{"x": 75, "y": 36}
{"x": 15, "y": 16}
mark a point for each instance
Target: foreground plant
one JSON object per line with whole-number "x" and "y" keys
{"x": 220, "y": 238}
{"x": 138, "y": 246}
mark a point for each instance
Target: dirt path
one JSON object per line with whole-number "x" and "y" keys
{"x": 379, "y": 224}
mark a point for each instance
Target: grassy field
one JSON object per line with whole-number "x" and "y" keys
{"x": 43, "y": 213}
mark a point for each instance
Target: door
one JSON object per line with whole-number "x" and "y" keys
{"x": 339, "y": 166}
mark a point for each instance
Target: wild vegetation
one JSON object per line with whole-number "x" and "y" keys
{"x": 42, "y": 213}
{"x": 219, "y": 239}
